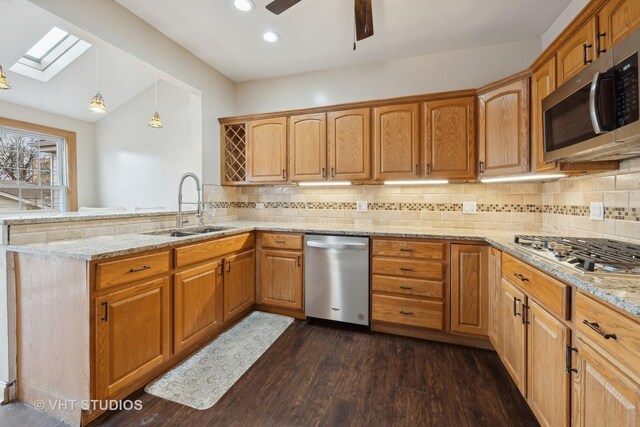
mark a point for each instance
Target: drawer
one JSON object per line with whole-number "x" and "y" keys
{"x": 551, "y": 293}
{"x": 402, "y": 248}
{"x": 408, "y": 268}
{"x": 281, "y": 241}
{"x": 212, "y": 249}
{"x": 114, "y": 273}
{"x": 409, "y": 287}
{"x": 407, "y": 311}
{"x": 624, "y": 343}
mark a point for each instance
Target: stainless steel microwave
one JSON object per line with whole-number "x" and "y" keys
{"x": 596, "y": 114}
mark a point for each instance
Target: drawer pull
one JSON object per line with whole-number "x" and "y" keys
{"x": 596, "y": 327}
{"x": 406, "y": 288}
{"x": 406, "y": 250}
{"x": 521, "y": 277}
{"x": 406, "y": 313}
{"x": 406, "y": 268}
{"x": 136, "y": 269}
{"x": 568, "y": 368}
{"x": 280, "y": 241}
{"x": 515, "y": 306}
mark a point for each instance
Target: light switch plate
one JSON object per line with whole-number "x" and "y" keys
{"x": 469, "y": 208}
{"x": 259, "y": 205}
{"x": 596, "y": 211}
{"x": 362, "y": 206}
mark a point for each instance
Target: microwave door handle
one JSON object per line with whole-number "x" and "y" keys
{"x": 593, "y": 111}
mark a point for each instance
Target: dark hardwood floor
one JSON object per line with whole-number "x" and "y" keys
{"x": 318, "y": 375}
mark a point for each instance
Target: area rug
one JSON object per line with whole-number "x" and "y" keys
{"x": 201, "y": 380}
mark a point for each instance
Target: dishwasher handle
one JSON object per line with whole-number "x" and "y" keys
{"x": 326, "y": 245}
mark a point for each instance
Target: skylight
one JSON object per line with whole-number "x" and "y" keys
{"x": 50, "y": 55}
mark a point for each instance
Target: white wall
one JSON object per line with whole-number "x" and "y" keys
{"x": 140, "y": 166}
{"x": 570, "y": 12}
{"x": 463, "y": 69}
{"x": 86, "y": 142}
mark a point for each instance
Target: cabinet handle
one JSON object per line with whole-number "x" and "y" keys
{"x": 525, "y": 314}
{"x": 284, "y": 173}
{"x": 407, "y": 313}
{"x": 515, "y": 306}
{"x": 521, "y": 277}
{"x": 416, "y": 169}
{"x": 136, "y": 269}
{"x": 299, "y": 261}
{"x": 596, "y": 327}
{"x": 568, "y": 368}
{"x": 228, "y": 266}
{"x": 333, "y": 172}
{"x": 428, "y": 168}
{"x": 280, "y": 241}
{"x": 598, "y": 43}
{"x": 406, "y": 288}
{"x": 220, "y": 268}
{"x": 481, "y": 166}
{"x": 406, "y": 268}
{"x": 324, "y": 172}
{"x": 584, "y": 53}
{"x": 406, "y": 250}
{"x": 105, "y": 308}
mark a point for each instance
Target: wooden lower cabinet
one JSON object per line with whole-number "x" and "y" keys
{"x": 198, "y": 304}
{"x": 407, "y": 311}
{"x": 469, "y": 289}
{"x": 547, "y": 380}
{"x": 239, "y": 283}
{"x": 495, "y": 277}
{"x": 280, "y": 279}
{"x": 132, "y": 335}
{"x": 513, "y": 341}
{"x": 602, "y": 394}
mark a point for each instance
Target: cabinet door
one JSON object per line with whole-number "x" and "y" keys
{"x": 577, "y": 52}
{"x": 132, "y": 335}
{"x": 267, "y": 160}
{"x": 513, "y": 342}
{"x": 349, "y": 145}
{"x": 495, "y": 275}
{"x": 396, "y": 142}
{"x": 239, "y": 283}
{"x": 616, "y": 20}
{"x": 197, "y": 301}
{"x": 469, "y": 292}
{"x": 602, "y": 394}
{"x": 308, "y": 147}
{"x": 503, "y": 119}
{"x": 547, "y": 381}
{"x": 542, "y": 84}
{"x": 280, "y": 279}
{"x": 450, "y": 139}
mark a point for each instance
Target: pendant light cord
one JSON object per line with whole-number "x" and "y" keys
{"x": 97, "y": 70}
{"x": 155, "y": 95}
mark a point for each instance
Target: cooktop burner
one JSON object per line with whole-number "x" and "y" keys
{"x": 586, "y": 254}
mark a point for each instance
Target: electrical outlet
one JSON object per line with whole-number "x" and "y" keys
{"x": 362, "y": 206}
{"x": 469, "y": 207}
{"x": 596, "y": 211}
{"x": 259, "y": 205}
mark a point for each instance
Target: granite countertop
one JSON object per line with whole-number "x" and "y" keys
{"x": 621, "y": 291}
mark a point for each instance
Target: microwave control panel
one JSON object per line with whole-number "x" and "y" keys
{"x": 626, "y": 82}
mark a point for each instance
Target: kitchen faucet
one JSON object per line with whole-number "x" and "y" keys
{"x": 180, "y": 221}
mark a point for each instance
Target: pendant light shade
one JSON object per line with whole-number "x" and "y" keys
{"x": 97, "y": 104}
{"x": 4, "y": 84}
{"x": 155, "y": 121}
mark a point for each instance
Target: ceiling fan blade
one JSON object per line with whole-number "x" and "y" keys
{"x": 279, "y": 6}
{"x": 364, "y": 19}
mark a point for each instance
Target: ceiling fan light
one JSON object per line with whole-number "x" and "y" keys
{"x": 4, "y": 83}
{"x": 243, "y": 5}
{"x": 155, "y": 121}
{"x": 97, "y": 104}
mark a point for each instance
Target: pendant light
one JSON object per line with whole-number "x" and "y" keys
{"x": 4, "y": 84}
{"x": 155, "y": 121}
{"x": 97, "y": 103}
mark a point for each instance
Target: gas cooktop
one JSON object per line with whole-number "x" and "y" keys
{"x": 585, "y": 254}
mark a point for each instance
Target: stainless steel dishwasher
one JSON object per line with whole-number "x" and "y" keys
{"x": 336, "y": 278}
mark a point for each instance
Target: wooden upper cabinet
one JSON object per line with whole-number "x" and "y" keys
{"x": 349, "y": 144}
{"x": 450, "y": 140}
{"x": 396, "y": 142}
{"x": 267, "y": 159}
{"x": 469, "y": 289}
{"x": 616, "y": 20}
{"x": 308, "y": 147}
{"x": 513, "y": 339}
{"x": 503, "y": 117}
{"x": 239, "y": 283}
{"x": 577, "y": 52}
{"x": 542, "y": 84}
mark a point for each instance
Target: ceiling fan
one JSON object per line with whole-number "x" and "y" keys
{"x": 364, "y": 16}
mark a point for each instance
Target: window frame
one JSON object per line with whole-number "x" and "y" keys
{"x": 69, "y": 154}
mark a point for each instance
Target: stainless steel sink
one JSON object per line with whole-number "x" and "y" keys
{"x": 194, "y": 231}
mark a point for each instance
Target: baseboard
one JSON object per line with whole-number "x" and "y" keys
{"x": 7, "y": 392}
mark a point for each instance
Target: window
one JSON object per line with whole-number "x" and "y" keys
{"x": 34, "y": 168}
{"x": 50, "y": 55}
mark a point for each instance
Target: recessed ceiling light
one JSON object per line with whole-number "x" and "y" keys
{"x": 271, "y": 37}
{"x": 243, "y": 5}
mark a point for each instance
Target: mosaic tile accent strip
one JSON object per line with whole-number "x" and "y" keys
{"x": 618, "y": 213}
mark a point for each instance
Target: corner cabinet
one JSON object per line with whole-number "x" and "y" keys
{"x": 450, "y": 139}
{"x": 469, "y": 289}
{"x": 495, "y": 277}
{"x": 396, "y": 142}
{"x": 503, "y": 130}
{"x": 267, "y": 150}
